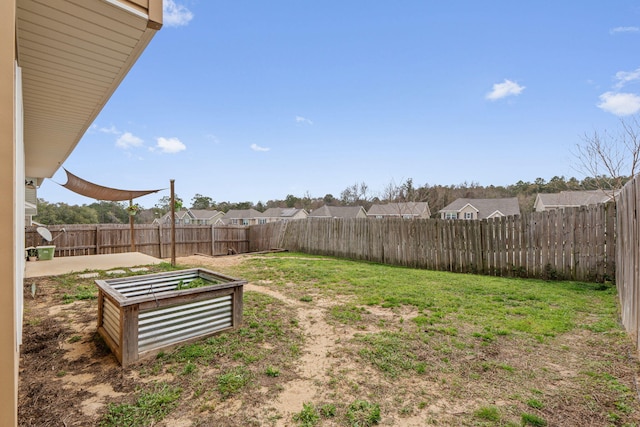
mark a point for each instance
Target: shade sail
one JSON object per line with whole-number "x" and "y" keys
{"x": 99, "y": 192}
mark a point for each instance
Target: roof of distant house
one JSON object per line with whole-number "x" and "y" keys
{"x": 242, "y": 214}
{"x": 167, "y": 216}
{"x": 399, "y": 209}
{"x": 486, "y": 207}
{"x": 204, "y": 213}
{"x": 280, "y": 212}
{"x": 337, "y": 212}
{"x": 574, "y": 198}
{"x": 179, "y": 214}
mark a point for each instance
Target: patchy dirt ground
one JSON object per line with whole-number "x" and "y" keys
{"x": 68, "y": 377}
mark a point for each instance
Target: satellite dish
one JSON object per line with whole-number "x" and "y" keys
{"x": 45, "y": 233}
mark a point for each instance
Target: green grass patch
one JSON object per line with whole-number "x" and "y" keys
{"x": 151, "y": 407}
{"x": 196, "y": 283}
{"x": 231, "y": 382}
{"x": 488, "y": 413}
{"x": 74, "y": 339}
{"x": 79, "y": 293}
{"x": 363, "y": 414}
{"x": 263, "y": 323}
{"x": 391, "y": 352}
{"x": 348, "y": 314}
{"x": 272, "y": 372}
{"x": 308, "y": 417}
{"x": 535, "y": 404}
{"x": 503, "y": 306}
{"x": 533, "y": 420}
{"x": 328, "y": 410}
{"x": 189, "y": 368}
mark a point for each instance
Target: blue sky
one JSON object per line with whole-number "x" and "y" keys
{"x": 251, "y": 101}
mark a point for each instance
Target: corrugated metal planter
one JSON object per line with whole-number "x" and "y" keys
{"x": 140, "y": 315}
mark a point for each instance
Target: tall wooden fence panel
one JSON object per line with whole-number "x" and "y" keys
{"x": 628, "y": 257}
{"x": 154, "y": 240}
{"x": 573, "y": 243}
{"x": 230, "y": 239}
{"x": 266, "y": 236}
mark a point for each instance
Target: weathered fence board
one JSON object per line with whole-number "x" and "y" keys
{"x": 628, "y": 257}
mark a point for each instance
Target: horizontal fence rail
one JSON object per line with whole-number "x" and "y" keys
{"x": 154, "y": 240}
{"x": 575, "y": 243}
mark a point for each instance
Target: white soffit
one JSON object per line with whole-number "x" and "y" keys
{"x": 73, "y": 54}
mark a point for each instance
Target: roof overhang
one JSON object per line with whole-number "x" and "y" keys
{"x": 496, "y": 214}
{"x": 469, "y": 205}
{"x": 73, "y": 55}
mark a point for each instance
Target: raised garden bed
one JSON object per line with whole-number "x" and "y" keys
{"x": 139, "y": 316}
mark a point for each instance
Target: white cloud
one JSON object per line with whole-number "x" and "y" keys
{"x": 169, "y": 145}
{"x": 624, "y": 77}
{"x": 128, "y": 140}
{"x": 624, "y": 30}
{"x": 111, "y": 130}
{"x": 502, "y": 90}
{"x": 256, "y": 147}
{"x": 620, "y": 104}
{"x": 300, "y": 119}
{"x": 175, "y": 15}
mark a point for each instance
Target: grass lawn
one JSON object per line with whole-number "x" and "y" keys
{"x": 332, "y": 342}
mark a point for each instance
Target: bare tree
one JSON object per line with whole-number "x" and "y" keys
{"x": 404, "y": 197}
{"x": 356, "y": 194}
{"x": 611, "y": 159}
{"x": 391, "y": 192}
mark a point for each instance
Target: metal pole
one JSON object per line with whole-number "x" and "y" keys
{"x": 133, "y": 237}
{"x": 173, "y": 224}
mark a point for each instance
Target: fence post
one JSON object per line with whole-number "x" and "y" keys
{"x": 213, "y": 239}
{"x": 97, "y": 239}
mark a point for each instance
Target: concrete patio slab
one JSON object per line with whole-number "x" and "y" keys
{"x": 64, "y": 265}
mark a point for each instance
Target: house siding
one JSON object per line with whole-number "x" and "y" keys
{"x": 468, "y": 209}
{"x": 11, "y": 267}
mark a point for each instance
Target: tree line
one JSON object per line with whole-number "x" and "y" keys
{"x": 357, "y": 194}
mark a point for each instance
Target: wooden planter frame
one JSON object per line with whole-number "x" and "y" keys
{"x": 139, "y": 316}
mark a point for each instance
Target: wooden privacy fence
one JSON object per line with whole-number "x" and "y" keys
{"x": 154, "y": 240}
{"x": 628, "y": 257}
{"x": 576, "y": 243}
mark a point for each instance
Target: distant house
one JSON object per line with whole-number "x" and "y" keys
{"x": 338, "y": 212}
{"x": 191, "y": 216}
{"x": 282, "y": 214}
{"x": 570, "y": 199}
{"x": 241, "y": 217}
{"x": 407, "y": 210}
{"x": 480, "y": 208}
{"x": 166, "y": 218}
{"x": 205, "y": 216}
